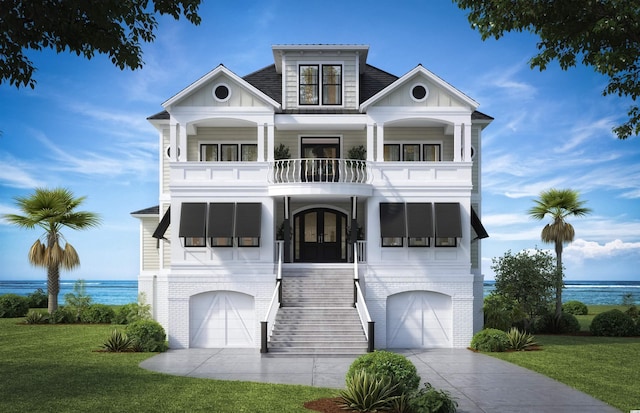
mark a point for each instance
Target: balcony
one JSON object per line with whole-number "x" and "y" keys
{"x": 313, "y": 170}
{"x": 319, "y": 176}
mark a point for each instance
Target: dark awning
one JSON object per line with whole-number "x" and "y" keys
{"x": 193, "y": 219}
{"x": 477, "y": 226}
{"x": 220, "y": 222}
{"x": 248, "y": 219}
{"x": 163, "y": 225}
{"x": 392, "y": 220}
{"x": 420, "y": 220}
{"x": 448, "y": 223}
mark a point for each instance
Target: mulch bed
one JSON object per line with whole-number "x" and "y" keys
{"x": 327, "y": 405}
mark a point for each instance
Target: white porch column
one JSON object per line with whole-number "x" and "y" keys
{"x": 466, "y": 146}
{"x": 270, "y": 141}
{"x": 370, "y": 143}
{"x": 457, "y": 142}
{"x": 173, "y": 140}
{"x": 260, "y": 128}
{"x": 182, "y": 142}
{"x": 380, "y": 143}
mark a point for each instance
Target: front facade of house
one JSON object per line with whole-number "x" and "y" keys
{"x": 318, "y": 161}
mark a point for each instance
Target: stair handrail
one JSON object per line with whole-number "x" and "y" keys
{"x": 368, "y": 325}
{"x": 274, "y": 305}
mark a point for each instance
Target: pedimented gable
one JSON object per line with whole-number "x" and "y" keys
{"x": 221, "y": 88}
{"x": 420, "y": 88}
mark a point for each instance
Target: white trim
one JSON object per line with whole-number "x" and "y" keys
{"x": 212, "y": 74}
{"x": 415, "y": 85}
{"x": 216, "y": 86}
{"x": 419, "y": 70}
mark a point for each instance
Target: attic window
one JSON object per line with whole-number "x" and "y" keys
{"x": 419, "y": 92}
{"x": 221, "y": 92}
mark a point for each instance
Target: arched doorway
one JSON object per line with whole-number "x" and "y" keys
{"x": 320, "y": 235}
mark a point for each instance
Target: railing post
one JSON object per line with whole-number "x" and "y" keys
{"x": 372, "y": 336}
{"x": 263, "y": 334}
{"x": 355, "y": 293}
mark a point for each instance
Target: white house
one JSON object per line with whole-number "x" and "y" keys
{"x": 317, "y": 204}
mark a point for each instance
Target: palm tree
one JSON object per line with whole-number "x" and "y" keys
{"x": 558, "y": 204}
{"x": 52, "y": 210}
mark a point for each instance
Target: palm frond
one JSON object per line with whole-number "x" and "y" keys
{"x": 37, "y": 255}
{"x": 70, "y": 258}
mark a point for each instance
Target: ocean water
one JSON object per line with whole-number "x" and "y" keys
{"x": 123, "y": 292}
{"x": 104, "y": 292}
{"x": 592, "y": 292}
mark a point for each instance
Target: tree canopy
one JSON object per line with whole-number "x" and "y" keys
{"x": 603, "y": 34}
{"x": 116, "y": 28}
{"x": 52, "y": 210}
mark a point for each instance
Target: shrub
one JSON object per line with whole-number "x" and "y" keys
{"x": 78, "y": 301}
{"x": 549, "y": 324}
{"x": 490, "y": 339}
{"x": 613, "y": 323}
{"x": 500, "y": 312}
{"x": 633, "y": 312}
{"x": 430, "y": 400}
{"x": 62, "y": 315}
{"x": 520, "y": 341}
{"x": 36, "y": 317}
{"x": 13, "y": 305}
{"x": 117, "y": 343}
{"x": 147, "y": 335}
{"x": 400, "y": 370}
{"x": 131, "y": 312}
{"x": 38, "y": 299}
{"x": 575, "y": 307}
{"x": 98, "y": 314}
{"x": 368, "y": 392}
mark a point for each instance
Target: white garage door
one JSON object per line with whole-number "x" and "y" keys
{"x": 221, "y": 319}
{"x": 419, "y": 319}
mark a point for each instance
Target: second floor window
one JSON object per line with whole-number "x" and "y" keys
{"x": 320, "y": 83}
{"x": 431, "y": 152}
{"x": 213, "y": 152}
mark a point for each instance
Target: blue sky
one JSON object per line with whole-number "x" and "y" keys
{"x": 84, "y": 127}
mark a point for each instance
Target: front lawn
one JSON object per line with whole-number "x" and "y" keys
{"x": 605, "y": 367}
{"x": 55, "y": 368}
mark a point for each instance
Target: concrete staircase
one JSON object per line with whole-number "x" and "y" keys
{"x": 317, "y": 314}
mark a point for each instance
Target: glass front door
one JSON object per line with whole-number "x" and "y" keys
{"x": 320, "y": 236}
{"x": 321, "y": 159}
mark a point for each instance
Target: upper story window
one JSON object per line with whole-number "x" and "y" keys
{"x": 430, "y": 152}
{"x": 213, "y": 152}
{"x": 320, "y": 83}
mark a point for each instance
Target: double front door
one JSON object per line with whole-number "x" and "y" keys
{"x": 320, "y": 236}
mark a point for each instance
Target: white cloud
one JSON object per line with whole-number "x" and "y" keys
{"x": 15, "y": 173}
{"x": 581, "y": 249}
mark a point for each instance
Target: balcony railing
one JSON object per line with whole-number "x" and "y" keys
{"x": 287, "y": 171}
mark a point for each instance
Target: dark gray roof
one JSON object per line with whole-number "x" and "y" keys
{"x": 269, "y": 82}
{"x": 154, "y": 210}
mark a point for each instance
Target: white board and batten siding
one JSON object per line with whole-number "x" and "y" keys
{"x": 221, "y": 319}
{"x": 419, "y": 319}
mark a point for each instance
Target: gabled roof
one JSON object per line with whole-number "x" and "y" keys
{"x": 212, "y": 74}
{"x": 410, "y": 75}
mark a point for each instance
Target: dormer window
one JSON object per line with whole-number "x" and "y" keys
{"x": 315, "y": 88}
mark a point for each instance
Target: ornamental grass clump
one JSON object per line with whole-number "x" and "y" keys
{"x": 490, "y": 340}
{"x": 520, "y": 340}
{"x": 368, "y": 392}
{"x": 117, "y": 343}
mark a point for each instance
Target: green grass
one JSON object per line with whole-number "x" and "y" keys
{"x": 55, "y": 368}
{"x": 607, "y": 368}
